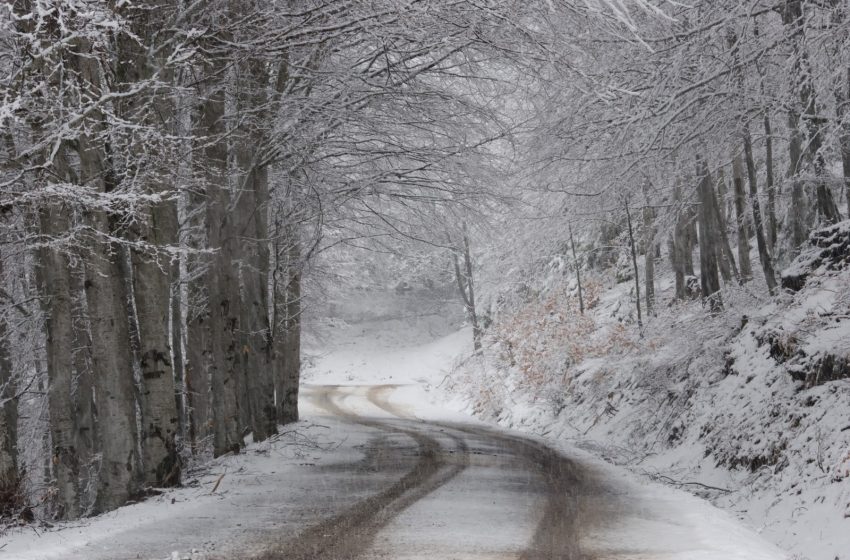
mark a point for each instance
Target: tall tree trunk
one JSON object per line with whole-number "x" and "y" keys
{"x": 578, "y": 272}
{"x": 678, "y": 242}
{"x": 107, "y": 297}
{"x": 764, "y": 255}
{"x": 744, "y": 262}
{"x": 709, "y": 279}
{"x": 772, "y": 225}
{"x": 287, "y": 324}
{"x": 151, "y": 265}
{"x": 728, "y": 268}
{"x": 649, "y": 252}
{"x": 87, "y": 436}
{"x": 10, "y": 495}
{"x": 844, "y": 113}
{"x": 53, "y": 277}
{"x": 466, "y": 286}
{"x": 252, "y": 217}
{"x": 634, "y": 263}
{"x": 221, "y": 277}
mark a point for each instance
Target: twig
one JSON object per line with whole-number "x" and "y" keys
{"x": 679, "y": 483}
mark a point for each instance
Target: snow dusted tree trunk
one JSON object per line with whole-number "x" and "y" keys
{"x": 221, "y": 278}
{"x": 54, "y": 287}
{"x": 764, "y": 255}
{"x": 744, "y": 262}
{"x": 151, "y": 266}
{"x": 843, "y": 96}
{"x": 107, "y": 297}
{"x": 251, "y": 215}
{"x": 649, "y": 252}
{"x": 577, "y": 266}
{"x": 197, "y": 371}
{"x": 287, "y": 318}
{"x": 10, "y": 494}
{"x": 678, "y": 242}
{"x": 634, "y": 263}
{"x": 709, "y": 279}
{"x": 728, "y": 268}
{"x": 772, "y": 225}
{"x": 84, "y": 407}
{"x": 466, "y": 286}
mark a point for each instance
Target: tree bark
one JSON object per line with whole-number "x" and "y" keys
{"x": 649, "y": 252}
{"x": 578, "y": 272}
{"x": 221, "y": 278}
{"x": 709, "y": 280}
{"x": 744, "y": 263}
{"x": 764, "y": 255}
{"x": 634, "y": 264}
{"x": 466, "y": 286}
{"x": 287, "y": 318}
{"x": 772, "y": 225}
{"x": 52, "y": 269}
{"x": 10, "y": 494}
{"x": 678, "y": 242}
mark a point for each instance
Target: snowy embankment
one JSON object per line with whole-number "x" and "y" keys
{"x": 749, "y": 408}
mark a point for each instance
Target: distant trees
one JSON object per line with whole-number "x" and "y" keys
{"x": 744, "y": 88}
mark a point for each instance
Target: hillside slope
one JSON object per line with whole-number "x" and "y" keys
{"x": 749, "y": 407}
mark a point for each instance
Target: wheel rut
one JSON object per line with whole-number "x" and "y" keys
{"x": 348, "y": 534}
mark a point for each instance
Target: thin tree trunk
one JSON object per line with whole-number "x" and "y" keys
{"x": 844, "y": 110}
{"x": 744, "y": 262}
{"x": 578, "y": 272}
{"x": 466, "y": 287}
{"x": 634, "y": 264}
{"x": 288, "y": 338}
{"x": 678, "y": 242}
{"x": 773, "y": 227}
{"x": 764, "y": 255}
{"x": 728, "y": 267}
{"x": 470, "y": 284}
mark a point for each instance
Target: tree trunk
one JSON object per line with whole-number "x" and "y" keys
{"x": 466, "y": 287}
{"x": 10, "y": 495}
{"x": 709, "y": 280}
{"x": 744, "y": 263}
{"x": 634, "y": 264}
{"x": 151, "y": 266}
{"x": 728, "y": 268}
{"x": 678, "y": 242}
{"x": 578, "y": 272}
{"x": 87, "y": 436}
{"x": 649, "y": 252}
{"x": 287, "y": 324}
{"x": 764, "y": 255}
{"x": 772, "y": 225}
{"x": 221, "y": 277}
{"x": 53, "y": 278}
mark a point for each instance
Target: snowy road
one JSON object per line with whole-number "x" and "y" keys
{"x": 470, "y": 493}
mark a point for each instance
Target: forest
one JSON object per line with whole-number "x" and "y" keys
{"x": 179, "y": 178}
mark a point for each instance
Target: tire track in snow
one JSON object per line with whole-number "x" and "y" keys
{"x": 557, "y": 534}
{"x": 348, "y": 534}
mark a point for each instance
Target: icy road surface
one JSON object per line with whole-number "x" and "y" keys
{"x": 380, "y": 470}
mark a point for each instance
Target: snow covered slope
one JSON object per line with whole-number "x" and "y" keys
{"x": 749, "y": 408}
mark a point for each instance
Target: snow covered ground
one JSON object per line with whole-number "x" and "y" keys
{"x": 275, "y": 489}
